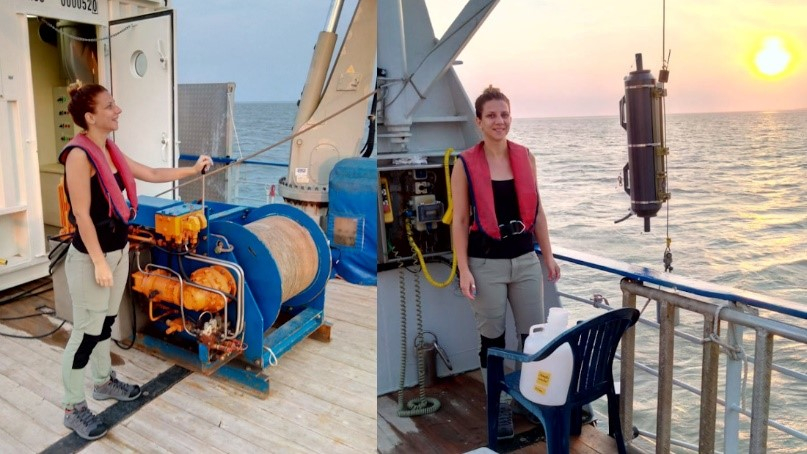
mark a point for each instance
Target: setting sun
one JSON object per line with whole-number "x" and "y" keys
{"x": 773, "y": 58}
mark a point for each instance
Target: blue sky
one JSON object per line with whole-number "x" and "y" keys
{"x": 264, "y": 46}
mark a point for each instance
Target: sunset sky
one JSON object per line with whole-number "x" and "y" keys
{"x": 556, "y": 58}
{"x": 552, "y": 57}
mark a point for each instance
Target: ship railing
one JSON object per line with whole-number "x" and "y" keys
{"x": 249, "y": 182}
{"x": 251, "y": 186}
{"x": 728, "y": 315}
{"x": 256, "y": 191}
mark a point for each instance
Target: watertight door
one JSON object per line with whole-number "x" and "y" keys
{"x": 23, "y": 256}
{"x": 142, "y": 79}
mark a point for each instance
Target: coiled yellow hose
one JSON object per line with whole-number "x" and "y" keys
{"x": 449, "y": 215}
{"x": 447, "y": 218}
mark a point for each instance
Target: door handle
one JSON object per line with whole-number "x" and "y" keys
{"x": 164, "y": 147}
{"x": 163, "y": 60}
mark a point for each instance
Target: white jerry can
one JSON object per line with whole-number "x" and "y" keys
{"x": 546, "y": 382}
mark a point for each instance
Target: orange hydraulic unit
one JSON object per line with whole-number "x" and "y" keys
{"x": 180, "y": 227}
{"x": 160, "y": 286}
{"x": 217, "y": 278}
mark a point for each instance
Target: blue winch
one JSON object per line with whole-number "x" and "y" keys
{"x": 228, "y": 282}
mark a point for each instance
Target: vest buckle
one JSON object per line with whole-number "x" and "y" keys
{"x": 512, "y": 228}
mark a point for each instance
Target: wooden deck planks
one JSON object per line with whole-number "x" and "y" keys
{"x": 346, "y": 422}
{"x": 229, "y": 416}
{"x": 125, "y": 440}
{"x": 10, "y": 443}
{"x": 460, "y": 425}
{"x": 25, "y": 429}
{"x": 322, "y": 395}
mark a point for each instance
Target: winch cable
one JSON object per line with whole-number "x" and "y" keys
{"x": 421, "y": 405}
{"x": 665, "y": 61}
{"x": 407, "y": 79}
{"x": 668, "y": 258}
{"x": 231, "y": 105}
{"x": 288, "y": 138}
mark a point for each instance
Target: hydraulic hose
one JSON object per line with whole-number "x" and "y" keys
{"x": 447, "y": 218}
{"x": 423, "y": 261}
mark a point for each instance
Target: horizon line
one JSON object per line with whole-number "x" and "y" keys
{"x": 798, "y": 109}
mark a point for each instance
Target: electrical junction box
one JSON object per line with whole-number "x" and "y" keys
{"x": 428, "y": 212}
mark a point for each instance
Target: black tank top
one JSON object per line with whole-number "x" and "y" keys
{"x": 113, "y": 234}
{"x": 506, "y": 203}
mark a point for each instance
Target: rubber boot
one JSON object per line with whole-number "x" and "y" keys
{"x": 506, "y": 429}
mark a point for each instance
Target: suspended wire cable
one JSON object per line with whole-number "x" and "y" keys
{"x": 242, "y": 160}
{"x": 408, "y": 78}
{"x": 663, "y": 33}
{"x": 663, "y": 77}
{"x": 231, "y": 105}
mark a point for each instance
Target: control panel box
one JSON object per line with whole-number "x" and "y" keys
{"x": 413, "y": 195}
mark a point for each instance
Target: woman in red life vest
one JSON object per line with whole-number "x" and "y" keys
{"x": 97, "y": 263}
{"x": 497, "y": 217}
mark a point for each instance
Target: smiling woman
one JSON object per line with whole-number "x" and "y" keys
{"x": 773, "y": 58}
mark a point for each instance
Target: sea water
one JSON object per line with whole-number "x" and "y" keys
{"x": 737, "y": 217}
{"x": 259, "y": 126}
{"x": 738, "y": 211}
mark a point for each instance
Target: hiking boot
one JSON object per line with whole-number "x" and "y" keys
{"x": 505, "y": 421}
{"x": 85, "y": 423}
{"x": 115, "y": 389}
{"x": 588, "y": 414}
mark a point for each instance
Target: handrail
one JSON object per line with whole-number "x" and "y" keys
{"x": 731, "y": 316}
{"x": 682, "y": 283}
{"x": 227, "y": 161}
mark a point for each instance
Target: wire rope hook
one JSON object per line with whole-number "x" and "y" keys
{"x": 668, "y": 268}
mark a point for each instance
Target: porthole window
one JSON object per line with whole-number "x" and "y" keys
{"x": 140, "y": 63}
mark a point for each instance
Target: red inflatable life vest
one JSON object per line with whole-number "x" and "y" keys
{"x": 480, "y": 188}
{"x": 117, "y": 203}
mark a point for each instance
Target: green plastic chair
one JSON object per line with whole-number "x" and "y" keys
{"x": 593, "y": 344}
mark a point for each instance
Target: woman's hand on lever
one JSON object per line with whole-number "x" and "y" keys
{"x": 203, "y": 164}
